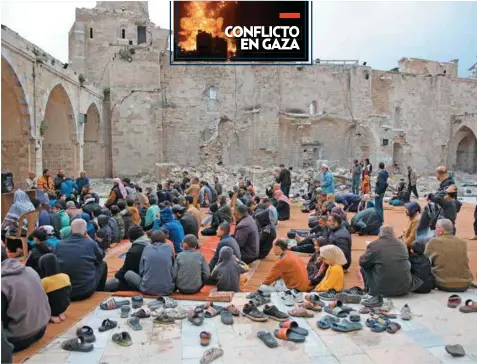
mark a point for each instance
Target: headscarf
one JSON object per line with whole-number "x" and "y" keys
{"x": 333, "y": 253}
{"x": 339, "y": 211}
{"x": 21, "y": 204}
{"x": 48, "y": 265}
{"x": 280, "y": 196}
{"x": 121, "y": 187}
{"x": 412, "y": 208}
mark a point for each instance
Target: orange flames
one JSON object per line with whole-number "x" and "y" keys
{"x": 204, "y": 16}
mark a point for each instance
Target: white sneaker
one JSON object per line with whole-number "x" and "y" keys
{"x": 287, "y": 298}
{"x": 297, "y": 296}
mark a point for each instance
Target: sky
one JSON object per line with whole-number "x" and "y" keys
{"x": 379, "y": 33}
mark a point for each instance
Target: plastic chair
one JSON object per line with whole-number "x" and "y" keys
{"x": 32, "y": 220}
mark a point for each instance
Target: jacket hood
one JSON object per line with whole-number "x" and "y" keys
{"x": 226, "y": 254}
{"x": 144, "y": 240}
{"x": 12, "y": 267}
{"x": 62, "y": 213}
{"x": 166, "y": 215}
{"x": 412, "y": 208}
{"x": 86, "y": 217}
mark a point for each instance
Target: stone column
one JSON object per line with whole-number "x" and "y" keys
{"x": 35, "y": 155}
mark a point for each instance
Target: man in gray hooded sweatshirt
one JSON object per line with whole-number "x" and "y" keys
{"x": 25, "y": 307}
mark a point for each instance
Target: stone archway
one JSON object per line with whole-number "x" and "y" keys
{"x": 60, "y": 143}
{"x": 17, "y": 150}
{"x": 466, "y": 150}
{"x": 93, "y": 148}
{"x": 360, "y": 143}
{"x": 398, "y": 158}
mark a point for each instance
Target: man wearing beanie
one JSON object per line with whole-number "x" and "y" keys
{"x": 82, "y": 259}
{"x": 139, "y": 241}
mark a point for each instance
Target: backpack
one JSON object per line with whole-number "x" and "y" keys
{"x": 434, "y": 214}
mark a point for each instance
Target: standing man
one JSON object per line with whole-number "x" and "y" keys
{"x": 356, "y": 171}
{"x": 327, "y": 180}
{"x": 284, "y": 178}
{"x": 444, "y": 178}
{"x": 412, "y": 178}
{"x": 380, "y": 189}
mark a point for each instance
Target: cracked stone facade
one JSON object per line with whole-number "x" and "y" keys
{"x": 419, "y": 113}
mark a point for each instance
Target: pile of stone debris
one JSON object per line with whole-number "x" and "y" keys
{"x": 263, "y": 178}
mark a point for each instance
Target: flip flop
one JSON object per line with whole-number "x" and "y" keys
{"x": 112, "y": 304}
{"x": 87, "y": 333}
{"x": 77, "y": 344}
{"x": 233, "y": 310}
{"x": 213, "y": 311}
{"x": 210, "y": 355}
{"x": 293, "y": 326}
{"x": 134, "y": 324}
{"x": 267, "y": 339}
{"x": 354, "y": 316}
{"x": 455, "y": 350}
{"x": 205, "y": 338}
{"x": 141, "y": 314}
{"x": 137, "y": 301}
{"x": 122, "y": 338}
{"x": 393, "y": 327}
{"x": 289, "y": 335}
{"x": 346, "y": 326}
{"x": 469, "y": 307}
{"x": 107, "y": 325}
{"x": 125, "y": 311}
{"x": 453, "y": 301}
{"x": 226, "y": 317}
{"x": 325, "y": 322}
{"x": 300, "y": 312}
{"x": 336, "y": 311}
{"x": 315, "y": 299}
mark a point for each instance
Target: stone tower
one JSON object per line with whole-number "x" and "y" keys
{"x": 116, "y": 46}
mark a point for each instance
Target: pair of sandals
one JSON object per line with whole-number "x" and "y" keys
{"x": 162, "y": 302}
{"x": 383, "y": 324}
{"x": 83, "y": 342}
{"x": 334, "y": 323}
{"x": 454, "y": 301}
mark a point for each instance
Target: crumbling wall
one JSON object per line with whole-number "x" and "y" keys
{"x": 427, "y": 67}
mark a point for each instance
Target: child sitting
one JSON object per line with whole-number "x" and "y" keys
{"x": 135, "y": 217}
{"x": 291, "y": 235}
{"x": 227, "y": 271}
{"x": 57, "y": 286}
{"x": 190, "y": 269}
{"x": 119, "y": 221}
{"x": 104, "y": 234}
{"x": 421, "y": 267}
{"x": 39, "y": 248}
{"x": 334, "y": 258}
{"x": 126, "y": 214}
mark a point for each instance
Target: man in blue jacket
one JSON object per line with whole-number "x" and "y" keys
{"x": 327, "y": 180}
{"x": 167, "y": 222}
{"x": 68, "y": 186}
{"x": 82, "y": 181}
{"x": 82, "y": 260}
{"x": 380, "y": 189}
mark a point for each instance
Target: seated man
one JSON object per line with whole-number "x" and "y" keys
{"x": 246, "y": 234}
{"x": 385, "y": 265}
{"x": 339, "y": 236}
{"x": 306, "y": 245}
{"x": 289, "y": 268}
{"x": 223, "y": 232}
{"x": 188, "y": 222}
{"x": 25, "y": 306}
{"x": 366, "y": 222}
{"x": 350, "y": 201}
{"x": 449, "y": 258}
{"x": 167, "y": 222}
{"x": 82, "y": 259}
{"x": 131, "y": 262}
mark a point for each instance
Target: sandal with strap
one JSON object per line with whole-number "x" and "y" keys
{"x": 112, "y": 304}
{"x": 213, "y": 311}
{"x": 142, "y": 314}
{"x": 454, "y": 301}
{"x": 325, "y": 322}
{"x": 164, "y": 318}
{"x": 346, "y": 326}
{"x": 210, "y": 355}
{"x": 107, "y": 325}
{"x": 134, "y": 324}
{"x": 301, "y": 312}
{"x": 77, "y": 344}
{"x": 315, "y": 299}
{"x": 289, "y": 335}
{"x": 233, "y": 310}
{"x": 196, "y": 317}
{"x": 469, "y": 307}
{"x": 309, "y": 305}
{"x": 122, "y": 338}
{"x": 87, "y": 333}
{"x": 293, "y": 326}
{"x": 205, "y": 337}
{"x": 393, "y": 327}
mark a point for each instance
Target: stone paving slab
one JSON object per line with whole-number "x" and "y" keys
{"x": 421, "y": 340}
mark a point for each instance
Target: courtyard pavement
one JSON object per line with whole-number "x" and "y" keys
{"x": 421, "y": 340}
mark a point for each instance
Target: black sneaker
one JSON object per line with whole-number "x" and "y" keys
{"x": 328, "y": 296}
{"x": 355, "y": 291}
{"x": 274, "y": 313}
{"x": 260, "y": 300}
{"x": 376, "y": 301}
{"x": 253, "y": 313}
